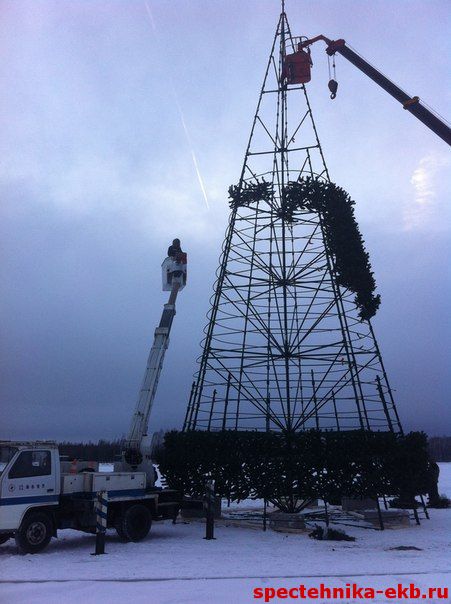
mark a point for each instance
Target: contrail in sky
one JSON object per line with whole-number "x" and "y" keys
{"x": 182, "y": 119}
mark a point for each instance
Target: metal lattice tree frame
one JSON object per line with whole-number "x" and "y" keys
{"x": 284, "y": 348}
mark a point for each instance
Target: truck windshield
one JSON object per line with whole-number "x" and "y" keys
{"x": 6, "y": 454}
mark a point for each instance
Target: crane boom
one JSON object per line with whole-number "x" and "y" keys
{"x": 140, "y": 420}
{"x": 133, "y": 454}
{"x": 411, "y": 104}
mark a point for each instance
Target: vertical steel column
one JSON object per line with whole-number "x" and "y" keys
{"x": 211, "y": 409}
{"x": 101, "y": 510}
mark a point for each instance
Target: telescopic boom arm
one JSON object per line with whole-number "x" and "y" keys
{"x": 176, "y": 273}
{"x": 411, "y": 104}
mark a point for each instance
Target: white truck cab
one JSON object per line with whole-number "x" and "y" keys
{"x": 39, "y": 494}
{"x": 29, "y": 480}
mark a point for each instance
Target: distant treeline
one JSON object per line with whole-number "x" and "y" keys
{"x": 440, "y": 448}
{"x": 103, "y": 450}
{"x": 107, "y": 450}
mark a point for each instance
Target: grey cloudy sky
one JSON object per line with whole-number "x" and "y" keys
{"x": 97, "y": 176}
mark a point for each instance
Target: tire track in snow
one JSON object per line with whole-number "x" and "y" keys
{"x": 221, "y": 578}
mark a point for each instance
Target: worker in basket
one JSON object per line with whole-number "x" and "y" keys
{"x": 175, "y": 251}
{"x": 176, "y": 254}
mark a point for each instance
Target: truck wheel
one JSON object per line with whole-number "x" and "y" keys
{"x": 4, "y": 538}
{"x": 34, "y": 533}
{"x": 135, "y": 523}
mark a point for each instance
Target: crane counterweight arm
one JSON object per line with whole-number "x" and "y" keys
{"x": 411, "y": 104}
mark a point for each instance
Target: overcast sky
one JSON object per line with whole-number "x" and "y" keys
{"x": 106, "y": 109}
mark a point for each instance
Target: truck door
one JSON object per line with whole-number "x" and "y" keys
{"x": 30, "y": 482}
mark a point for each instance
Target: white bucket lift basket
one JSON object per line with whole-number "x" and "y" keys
{"x": 171, "y": 269}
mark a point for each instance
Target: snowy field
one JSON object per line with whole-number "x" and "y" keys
{"x": 176, "y": 565}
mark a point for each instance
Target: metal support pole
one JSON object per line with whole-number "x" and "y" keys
{"x": 188, "y": 409}
{"x": 384, "y": 373}
{"x": 314, "y": 400}
{"x": 268, "y": 413}
{"x": 335, "y": 411}
{"x": 211, "y": 409}
{"x": 384, "y": 403}
{"x": 415, "y": 513}
{"x": 101, "y": 509}
{"x": 379, "y": 513}
{"x": 210, "y": 510}
{"x": 326, "y": 513}
{"x": 226, "y": 403}
{"x": 197, "y": 406}
{"x": 423, "y": 503}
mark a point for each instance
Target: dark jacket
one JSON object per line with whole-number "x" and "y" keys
{"x": 173, "y": 251}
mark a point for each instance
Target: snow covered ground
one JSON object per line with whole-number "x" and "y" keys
{"x": 176, "y": 565}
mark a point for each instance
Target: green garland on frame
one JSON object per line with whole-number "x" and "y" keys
{"x": 290, "y": 470}
{"x": 343, "y": 238}
{"x": 250, "y": 192}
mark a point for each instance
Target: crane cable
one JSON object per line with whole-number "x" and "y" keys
{"x": 333, "y": 84}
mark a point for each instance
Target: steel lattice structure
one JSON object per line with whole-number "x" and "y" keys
{"x": 284, "y": 348}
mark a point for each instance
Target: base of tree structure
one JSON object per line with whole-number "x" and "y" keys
{"x": 290, "y": 470}
{"x": 286, "y": 523}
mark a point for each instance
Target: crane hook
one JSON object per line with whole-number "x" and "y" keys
{"x": 333, "y": 87}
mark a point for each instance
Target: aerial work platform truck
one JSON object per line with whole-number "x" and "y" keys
{"x": 41, "y": 494}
